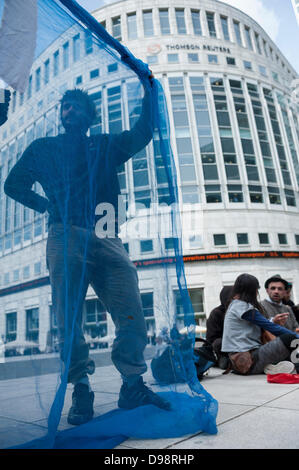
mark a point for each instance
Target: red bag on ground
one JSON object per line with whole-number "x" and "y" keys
{"x": 283, "y": 378}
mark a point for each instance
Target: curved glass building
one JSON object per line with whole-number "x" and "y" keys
{"x": 235, "y": 139}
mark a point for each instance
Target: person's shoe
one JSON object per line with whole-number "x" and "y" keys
{"x": 283, "y": 367}
{"x": 81, "y": 410}
{"x": 140, "y": 395}
{"x": 223, "y": 362}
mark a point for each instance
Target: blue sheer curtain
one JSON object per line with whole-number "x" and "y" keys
{"x": 96, "y": 188}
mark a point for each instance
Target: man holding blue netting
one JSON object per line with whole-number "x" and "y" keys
{"x": 77, "y": 173}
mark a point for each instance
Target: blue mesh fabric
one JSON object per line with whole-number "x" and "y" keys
{"x": 75, "y": 172}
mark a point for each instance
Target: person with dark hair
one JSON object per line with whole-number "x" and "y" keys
{"x": 288, "y": 301}
{"x": 274, "y": 308}
{"x": 242, "y": 334}
{"x": 215, "y": 324}
{"x": 77, "y": 173}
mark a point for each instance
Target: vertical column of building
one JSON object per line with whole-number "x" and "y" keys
{"x": 277, "y": 138}
{"x": 290, "y": 148}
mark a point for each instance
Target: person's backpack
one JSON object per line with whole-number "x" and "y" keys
{"x": 168, "y": 367}
{"x": 204, "y": 358}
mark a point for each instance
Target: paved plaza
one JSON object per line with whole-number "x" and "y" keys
{"x": 253, "y": 414}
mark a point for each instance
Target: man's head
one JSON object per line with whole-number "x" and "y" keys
{"x": 77, "y": 111}
{"x": 276, "y": 288}
{"x": 288, "y": 292}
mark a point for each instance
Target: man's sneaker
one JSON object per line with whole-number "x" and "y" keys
{"x": 81, "y": 410}
{"x": 140, "y": 395}
{"x": 283, "y": 367}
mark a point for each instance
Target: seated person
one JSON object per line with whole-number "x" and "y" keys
{"x": 273, "y": 307}
{"x": 215, "y": 323}
{"x": 287, "y": 301}
{"x": 242, "y": 333}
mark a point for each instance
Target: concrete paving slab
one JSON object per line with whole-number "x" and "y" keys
{"x": 244, "y": 390}
{"x": 290, "y": 401}
{"x": 261, "y": 428}
{"x": 13, "y": 433}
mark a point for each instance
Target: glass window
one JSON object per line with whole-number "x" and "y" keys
{"x": 213, "y": 193}
{"x": 142, "y": 198}
{"x": 180, "y": 20}
{"x": 238, "y": 32}
{"x": 224, "y": 25}
{"x": 132, "y": 25}
{"x": 195, "y": 14}
{"x": 290, "y": 197}
{"x": 47, "y": 71}
{"x": 256, "y": 195}
{"x": 173, "y": 58}
{"x": 95, "y": 318}
{"x": 193, "y": 57}
{"x": 94, "y": 73}
{"x": 190, "y": 195}
{"x": 264, "y": 238}
{"x": 257, "y": 43}
{"x": 213, "y": 59}
{"x": 112, "y": 67}
{"x": 231, "y": 61}
{"x": 265, "y": 48}
{"x": 88, "y": 42}
{"x": 65, "y": 57}
{"x": 37, "y": 268}
{"x": 32, "y": 324}
{"x": 219, "y": 239}
{"x": 263, "y": 70}
{"x": 146, "y": 246}
{"x": 235, "y": 193}
{"x": 247, "y": 65}
{"x": 282, "y": 239}
{"x": 29, "y": 89}
{"x": 147, "y": 304}
{"x": 274, "y": 195}
{"x": 242, "y": 238}
{"x": 116, "y": 28}
{"x": 38, "y": 79}
{"x": 248, "y": 38}
{"x": 56, "y": 63}
{"x": 76, "y": 47}
{"x": 297, "y": 239}
{"x": 211, "y": 24}
{"x": 169, "y": 243}
{"x": 148, "y": 24}
{"x": 152, "y": 59}
{"x": 11, "y": 326}
{"x": 164, "y": 21}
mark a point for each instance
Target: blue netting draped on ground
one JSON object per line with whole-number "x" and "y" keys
{"x": 93, "y": 162}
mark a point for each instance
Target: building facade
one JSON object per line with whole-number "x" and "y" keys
{"x": 235, "y": 139}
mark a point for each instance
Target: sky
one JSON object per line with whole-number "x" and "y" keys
{"x": 277, "y": 17}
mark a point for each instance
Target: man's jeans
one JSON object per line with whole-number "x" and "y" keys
{"x": 270, "y": 353}
{"x": 76, "y": 257}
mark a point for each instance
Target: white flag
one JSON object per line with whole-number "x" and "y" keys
{"x": 17, "y": 42}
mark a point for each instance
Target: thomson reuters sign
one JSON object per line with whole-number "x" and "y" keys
{"x": 154, "y": 49}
